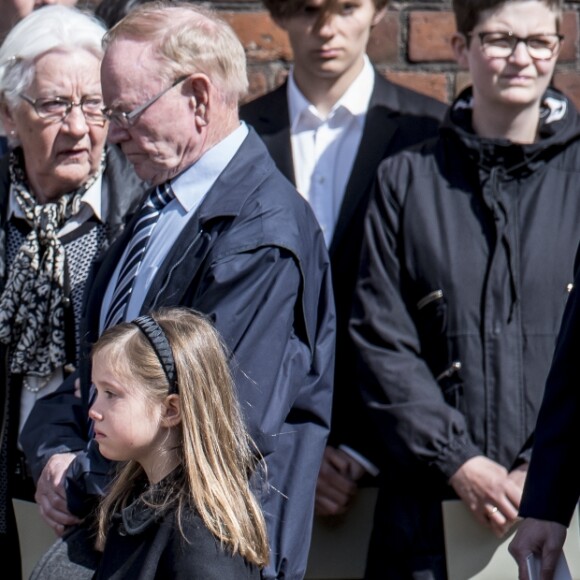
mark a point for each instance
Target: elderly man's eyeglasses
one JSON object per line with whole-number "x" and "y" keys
{"x": 503, "y": 44}
{"x": 127, "y": 120}
{"x": 57, "y": 108}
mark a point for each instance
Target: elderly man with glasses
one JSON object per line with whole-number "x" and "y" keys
{"x": 222, "y": 232}
{"x": 466, "y": 267}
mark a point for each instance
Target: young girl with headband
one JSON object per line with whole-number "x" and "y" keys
{"x": 181, "y": 505}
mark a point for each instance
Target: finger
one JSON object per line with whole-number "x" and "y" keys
{"x": 497, "y": 520}
{"x": 337, "y": 458}
{"x": 324, "y": 506}
{"x": 506, "y": 508}
{"x": 336, "y": 493}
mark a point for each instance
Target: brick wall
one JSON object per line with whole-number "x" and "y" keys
{"x": 410, "y": 46}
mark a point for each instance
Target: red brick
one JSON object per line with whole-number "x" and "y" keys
{"x": 281, "y": 75}
{"x": 430, "y": 36}
{"x": 258, "y": 84}
{"x": 569, "y": 29}
{"x": 383, "y": 46}
{"x": 262, "y": 39}
{"x": 569, "y": 83}
{"x": 432, "y": 84}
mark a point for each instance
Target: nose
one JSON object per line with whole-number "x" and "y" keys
{"x": 75, "y": 121}
{"x": 520, "y": 55}
{"x": 326, "y": 27}
{"x": 94, "y": 412}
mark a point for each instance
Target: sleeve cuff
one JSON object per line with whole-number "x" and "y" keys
{"x": 370, "y": 467}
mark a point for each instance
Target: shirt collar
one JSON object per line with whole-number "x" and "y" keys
{"x": 355, "y": 99}
{"x": 190, "y": 186}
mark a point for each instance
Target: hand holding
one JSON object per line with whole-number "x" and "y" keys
{"x": 337, "y": 482}
{"x": 492, "y": 495}
{"x": 51, "y": 496}
{"x": 544, "y": 538}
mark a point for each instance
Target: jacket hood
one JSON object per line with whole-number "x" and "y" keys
{"x": 559, "y": 125}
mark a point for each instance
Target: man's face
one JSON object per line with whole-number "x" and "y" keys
{"x": 334, "y": 47}
{"x": 164, "y": 140}
{"x": 516, "y": 80}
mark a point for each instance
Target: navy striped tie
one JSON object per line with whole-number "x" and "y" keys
{"x": 142, "y": 231}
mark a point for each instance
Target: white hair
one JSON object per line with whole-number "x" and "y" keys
{"x": 50, "y": 28}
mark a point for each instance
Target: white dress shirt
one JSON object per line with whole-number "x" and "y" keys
{"x": 323, "y": 152}
{"x": 324, "y": 149}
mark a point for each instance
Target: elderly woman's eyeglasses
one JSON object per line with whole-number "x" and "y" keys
{"x": 503, "y": 44}
{"x": 57, "y": 108}
{"x": 127, "y": 120}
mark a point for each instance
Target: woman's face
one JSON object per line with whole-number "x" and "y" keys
{"x": 60, "y": 155}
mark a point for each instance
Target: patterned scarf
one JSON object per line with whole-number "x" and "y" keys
{"x": 32, "y": 314}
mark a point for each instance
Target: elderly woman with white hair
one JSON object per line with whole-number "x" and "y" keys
{"x": 64, "y": 196}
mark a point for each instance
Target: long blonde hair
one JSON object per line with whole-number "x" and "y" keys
{"x": 217, "y": 453}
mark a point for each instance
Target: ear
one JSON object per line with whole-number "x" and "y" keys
{"x": 7, "y": 118}
{"x": 460, "y": 49}
{"x": 171, "y": 411}
{"x": 379, "y": 15}
{"x": 199, "y": 88}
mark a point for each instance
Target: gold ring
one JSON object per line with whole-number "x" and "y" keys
{"x": 494, "y": 509}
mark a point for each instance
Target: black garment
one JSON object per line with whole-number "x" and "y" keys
{"x": 552, "y": 488}
{"x": 468, "y": 255}
{"x": 143, "y": 544}
{"x": 121, "y": 193}
{"x": 397, "y": 117}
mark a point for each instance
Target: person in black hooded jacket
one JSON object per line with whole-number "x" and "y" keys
{"x": 466, "y": 266}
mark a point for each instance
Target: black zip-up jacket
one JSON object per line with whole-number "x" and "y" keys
{"x": 466, "y": 268}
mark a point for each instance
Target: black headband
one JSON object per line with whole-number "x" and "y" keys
{"x": 161, "y": 346}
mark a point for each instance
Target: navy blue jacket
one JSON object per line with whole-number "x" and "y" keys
{"x": 253, "y": 258}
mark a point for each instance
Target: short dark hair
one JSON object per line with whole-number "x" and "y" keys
{"x": 288, "y": 8}
{"x": 468, "y": 12}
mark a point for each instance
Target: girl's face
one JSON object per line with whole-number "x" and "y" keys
{"x": 127, "y": 424}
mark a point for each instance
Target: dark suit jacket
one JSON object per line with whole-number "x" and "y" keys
{"x": 397, "y": 118}
{"x": 252, "y": 258}
{"x": 552, "y": 487}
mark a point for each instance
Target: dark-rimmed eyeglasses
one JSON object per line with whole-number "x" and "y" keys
{"x": 127, "y": 120}
{"x": 503, "y": 44}
{"x": 57, "y": 108}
